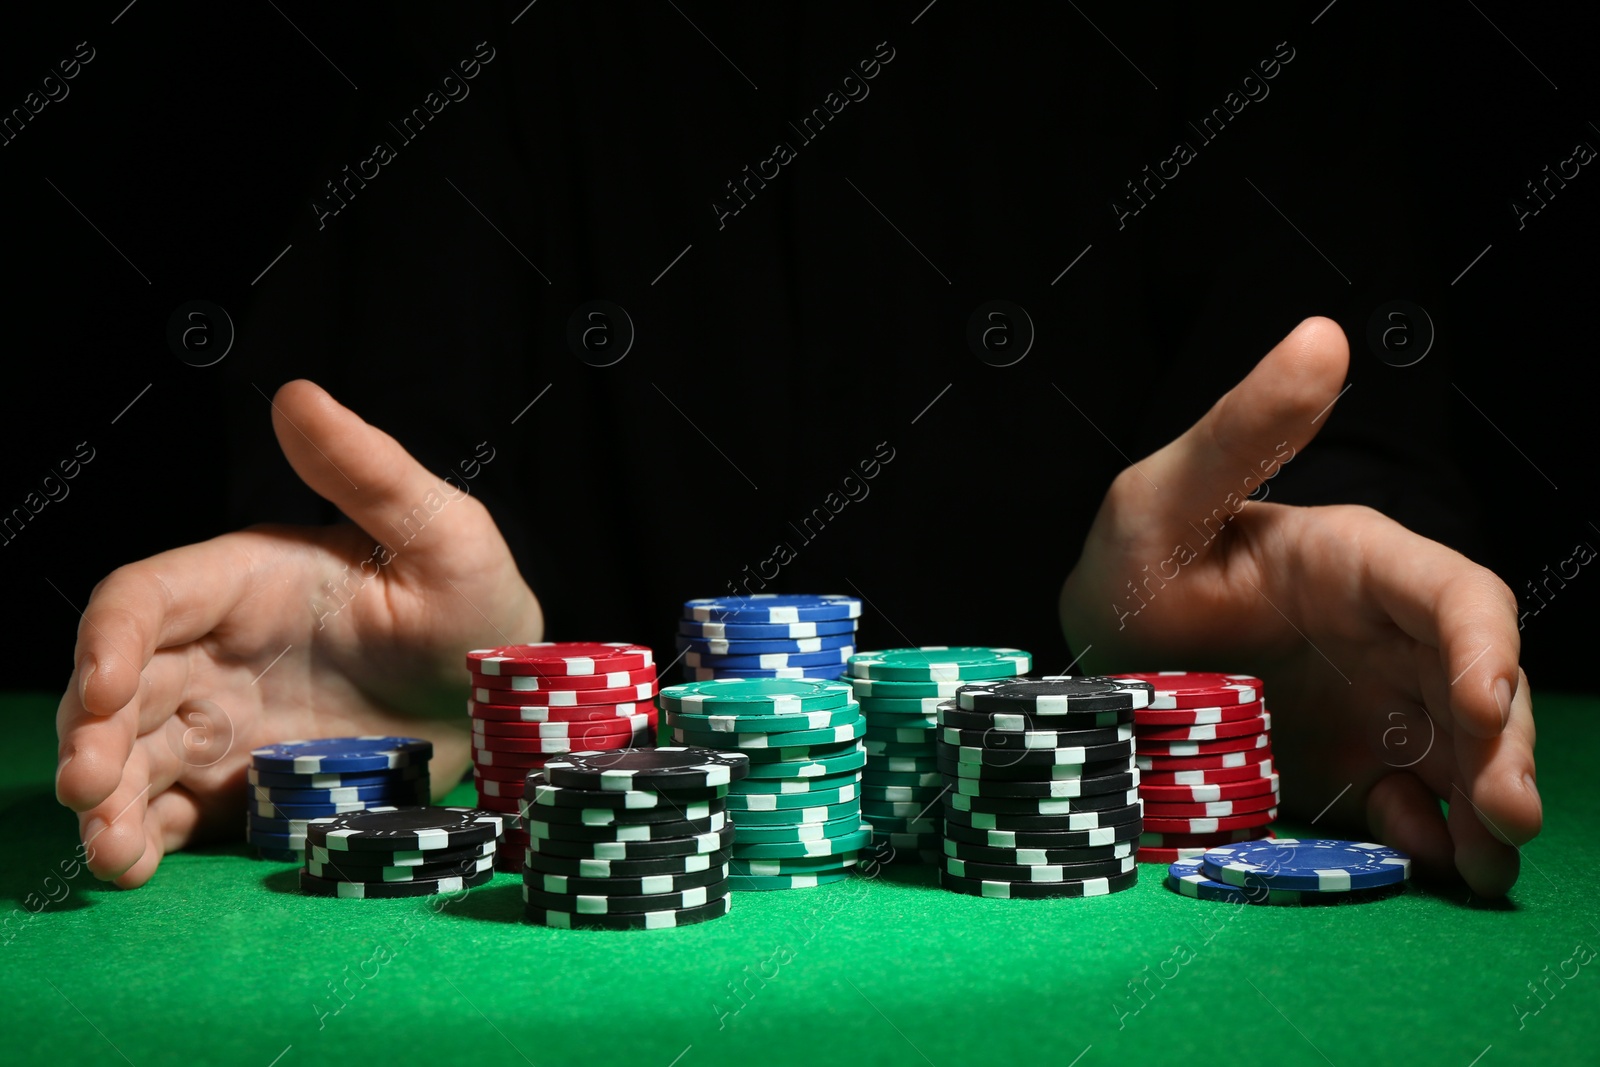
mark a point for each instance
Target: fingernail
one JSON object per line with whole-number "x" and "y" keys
{"x": 84, "y": 674}
{"x": 1502, "y": 697}
{"x": 93, "y": 829}
{"x": 61, "y": 767}
{"x": 1530, "y": 785}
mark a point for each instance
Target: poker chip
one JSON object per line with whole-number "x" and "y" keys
{"x": 647, "y": 920}
{"x": 341, "y": 754}
{"x": 755, "y": 646}
{"x": 422, "y": 887}
{"x": 749, "y": 883}
{"x": 719, "y": 841}
{"x": 337, "y": 870}
{"x": 939, "y": 663}
{"x": 1165, "y": 764}
{"x": 1035, "y": 757}
{"x": 560, "y": 658}
{"x": 1082, "y": 887}
{"x": 560, "y": 885}
{"x": 1038, "y": 872}
{"x": 772, "y": 608}
{"x": 1054, "y": 696}
{"x": 708, "y": 674}
{"x": 1158, "y": 840}
{"x": 1031, "y": 857}
{"x": 999, "y": 740}
{"x": 602, "y": 869}
{"x": 1013, "y": 721}
{"x": 563, "y": 730}
{"x": 1042, "y": 805}
{"x": 1195, "y": 689}
{"x": 767, "y": 724}
{"x": 826, "y": 846}
{"x": 1066, "y": 821}
{"x": 418, "y": 828}
{"x": 755, "y": 697}
{"x": 843, "y": 825}
{"x": 926, "y": 707}
{"x": 1171, "y": 853}
{"x": 1168, "y": 718}
{"x": 566, "y": 688}
{"x": 1209, "y": 791}
{"x": 789, "y": 739}
{"x": 539, "y": 791}
{"x": 1187, "y": 876}
{"x": 770, "y": 660}
{"x": 854, "y": 758}
{"x": 763, "y": 631}
{"x": 1025, "y": 839}
{"x": 1208, "y": 732}
{"x": 1154, "y": 749}
{"x": 1319, "y": 865}
{"x": 901, "y": 793}
{"x": 655, "y": 768}
{"x": 1248, "y": 772}
{"x": 335, "y": 780}
{"x": 1211, "y": 825}
{"x": 410, "y": 789}
{"x": 399, "y": 857}
{"x": 1209, "y": 808}
{"x": 504, "y": 756}
{"x": 538, "y": 829}
{"x": 938, "y": 690}
{"x": 801, "y": 865}
{"x": 673, "y": 810}
{"x": 607, "y": 904}
{"x": 754, "y": 784}
{"x": 1117, "y": 782}
{"x": 536, "y": 746}
{"x": 596, "y": 703}
{"x": 755, "y": 803}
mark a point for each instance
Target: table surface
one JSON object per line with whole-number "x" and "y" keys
{"x": 219, "y": 959}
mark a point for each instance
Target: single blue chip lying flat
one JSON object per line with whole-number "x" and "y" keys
{"x": 773, "y": 608}
{"x": 1322, "y": 866}
{"x": 341, "y": 754}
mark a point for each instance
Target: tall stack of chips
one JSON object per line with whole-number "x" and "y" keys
{"x": 1044, "y": 798}
{"x": 629, "y": 840}
{"x": 532, "y": 702}
{"x": 294, "y": 782}
{"x": 900, "y": 691}
{"x": 797, "y": 816}
{"x": 382, "y": 853}
{"x": 767, "y": 635}
{"x": 1205, "y": 754}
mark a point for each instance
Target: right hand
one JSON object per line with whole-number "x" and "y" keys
{"x": 243, "y": 638}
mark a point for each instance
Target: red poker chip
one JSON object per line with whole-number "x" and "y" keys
{"x": 1205, "y": 841}
{"x": 509, "y": 860}
{"x": 560, "y": 658}
{"x": 1185, "y": 749}
{"x": 582, "y": 713}
{"x": 1158, "y": 809}
{"x": 504, "y": 772}
{"x": 552, "y": 745}
{"x": 569, "y": 689}
{"x": 569, "y": 730}
{"x": 1206, "y": 826}
{"x": 1188, "y": 852}
{"x": 503, "y": 805}
{"x": 1159, "y": 717}
{"x": 1257, "y": 766}
{"x": 1198, "y": 689}
{"x": 1216, "y": 731}
{"x": 520, "y": 757}
{"x": 1249, "y": 787}
{"x": 490, "y": 787}
{"x": 1216, "y": 761}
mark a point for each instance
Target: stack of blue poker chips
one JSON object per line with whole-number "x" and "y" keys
{"x": 292, "y": 783}
{"x": 767, "y": 635}
{"x": 1290, "y": 871}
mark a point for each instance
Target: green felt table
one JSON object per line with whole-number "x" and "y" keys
{"x": 220, "y": 960}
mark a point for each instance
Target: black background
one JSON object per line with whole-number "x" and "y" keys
{"x": 821, "y": 320}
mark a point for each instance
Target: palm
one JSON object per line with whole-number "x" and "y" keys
{"x": 276, "y": 633}
{"x": 1382, "y": 652}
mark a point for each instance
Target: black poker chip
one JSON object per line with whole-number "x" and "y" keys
{"x": 606, "y": 869}
{"x": 647, "y": 920}
{"x": 386, "y": 829}
{"x": 1051, "y": 839}
{"x": 327, "y": 887}
{"x": 948, "y": 764}
{"x": 1058, "y": 695}
{"x": 585, "y": 904}
{"x": 675, "y": 811}
{"x": 1022, "y": 857}
{"x": 1078, "y": 820}
{"x": 336, "y": 869}
{"x": 1041, "y": 805}
{"x": 1028, "y": 740}
{"x": 362, "y": 861}
{"x": 1042, "y": 872}
{"x": 538, "y": 790}
{"x": 1037, "y": 757}
{"x": 720, "y": 841}
{"x": 647, "y": 885}
{"x": 1041, "y": 789}
{"x": 949, "y": 713}
{"x": 1081, "y": 887}
{"x": 648, "y": 768}
{"x": 646, "y": 831}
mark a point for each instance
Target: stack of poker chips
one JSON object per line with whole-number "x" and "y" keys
{"x": 1287, "y": 871}
{"x": 1205, "y": 753}
{"x": 768, "y": 635}
{"x": 1044, "y": 798}
{"x": 797, "y": 816}
{"x": 297, "y": 781}
{"x": 531, "y": 702}
{"x": 900, "y": 691}
{"x": 629, "y": 840}
{"x": 382, "y": 853}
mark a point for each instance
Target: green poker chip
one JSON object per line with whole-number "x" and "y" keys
{"x": 807, "y": 816}
{"x": 831, "y": 735}
{"x": 853, "y": 759}
{"x": 718, "y": 725}
{"x": 816, "y": 831}
{"x": 876, "y": 778}
{"x": 749, "y": 786}
{"x": 827, "y": 846}
{"x": 940, "y": 663}
{"x": 784, "y": 881}
{"x": 756, "y": 803}
{"x": 754, "y": 696}
{"x": 793, "y": 865}
{"x": 879, "y": 707}
{"x": 873, "y": 688}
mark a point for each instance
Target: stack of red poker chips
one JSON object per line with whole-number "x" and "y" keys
{"x": 1204, "y": 750}
{"x": 531, "y": 703}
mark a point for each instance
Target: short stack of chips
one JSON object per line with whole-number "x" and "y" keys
{"x": 629, "y": 840}
{"x": 1044, "y": 798}
{"x": 1289, "y": 871}
{"x": 797, "y": 816}
{"x": 383, "y": 853}
{"x": 532, "y": 702}
{"x": 295, "y": 782}
{"x": 767, "y": 635}
{"x": 899, "y": 691}
{"x": 1205, "y": 756}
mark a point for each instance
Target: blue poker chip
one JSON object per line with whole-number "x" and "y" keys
{"x": 773, "y": 660}
{"x": 1187, "y": 878}
{"x": 773, "y": 607}
{"x": 276, "y": 842}
{"x": 330, "y": 754}
{"x": 397, "y": 792}
{"x": 268, "y": 809}
{"x": 295, "y": 828}
{"x": 765, "y": 631}
{"x": 1319, "y": 866}
{"x": 721, "y": 646}
{"x": 335, "y": 779}
{"x": 282, "y": 855}
{"x": 824, "y": 673}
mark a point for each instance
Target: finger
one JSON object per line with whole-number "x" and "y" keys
{"x": 166, "y": 600}
{"x": 1497, "y": 775}
{"x": 94, "y": 748}
{"x": 171, "y": 822}
{"x": 374, "y": 481}
{"x": 1404, "y": 814}
{"x": 1255, "y": 428}
{"x": 1490, "y": 866}
{"x": 113, "y": 830}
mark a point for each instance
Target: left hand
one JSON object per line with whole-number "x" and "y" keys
{"x": 1390, "y": 661}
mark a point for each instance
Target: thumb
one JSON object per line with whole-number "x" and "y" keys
{"x": 1254, "y": 429}
{"x": 366, "y": 473}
